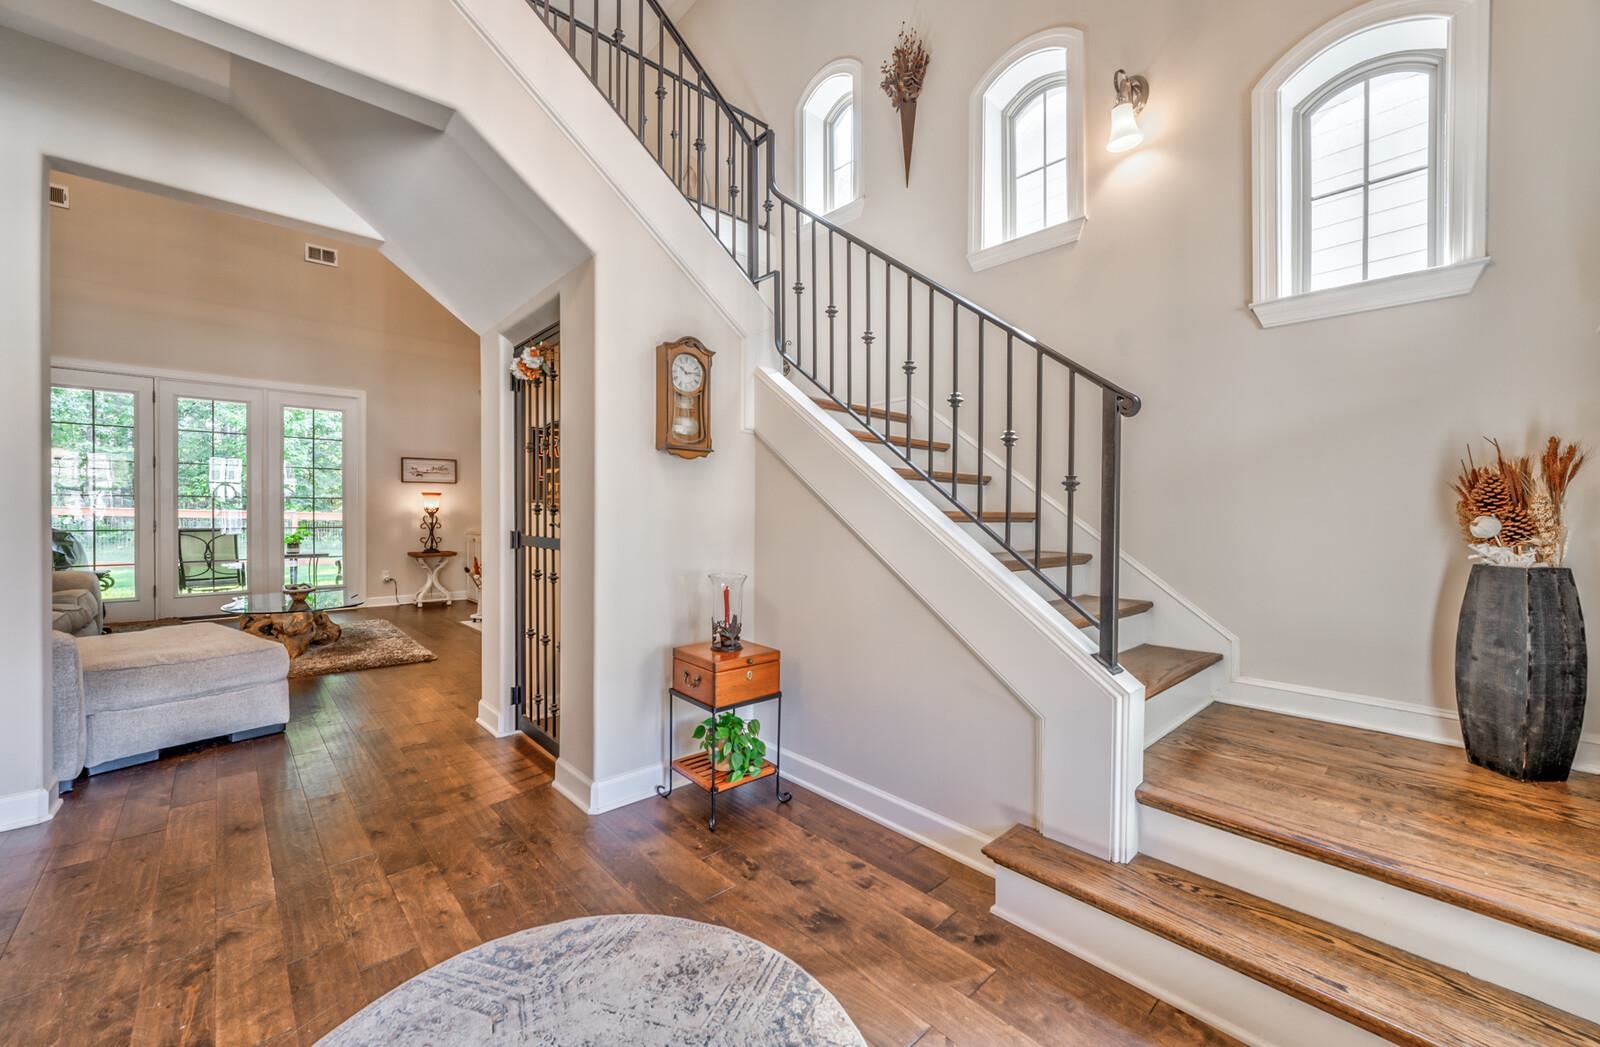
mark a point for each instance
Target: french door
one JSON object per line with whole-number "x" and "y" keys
{"x": 212, "y": 533}
{"x": 180, "y": 494}
{"x": 100, "y": 485}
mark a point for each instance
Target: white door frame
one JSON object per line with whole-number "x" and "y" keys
{"x": 355, "y": 474}
{"x": 142, "y": 606}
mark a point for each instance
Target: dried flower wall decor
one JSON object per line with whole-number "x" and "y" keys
{"x": 903, "y": 76}
{"x": 1510, "y": 511}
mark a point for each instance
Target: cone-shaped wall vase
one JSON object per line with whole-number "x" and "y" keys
{"x": 908, "y": 132}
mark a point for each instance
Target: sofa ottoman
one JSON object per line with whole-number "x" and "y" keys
{"x": 144, "y": 691}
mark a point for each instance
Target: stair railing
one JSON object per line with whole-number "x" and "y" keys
{"x": 848, "y": 316}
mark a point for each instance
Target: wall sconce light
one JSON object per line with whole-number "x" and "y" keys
{"x": 1132, "y": 93}
{"x": 430, "y": 521}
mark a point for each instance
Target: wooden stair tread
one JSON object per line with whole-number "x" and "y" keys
{"x": 861, "y": 409}
{"x": 1125, "y": 609}
{"x": 943, "y": 476}
{"x": 993, "y": 516}
{"x": 1160, "y": 668}
{"x": 1046, "y": 559}
{"x": 1387, "y": 991}
{"x": 1410, "y": 813}
{"x": 899, "y": 440}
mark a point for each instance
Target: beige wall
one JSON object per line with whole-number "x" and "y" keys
{"x": 138, "y": 280}
{"x": 1292, "y": 482}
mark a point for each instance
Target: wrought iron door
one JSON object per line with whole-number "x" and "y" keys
{"x": 536, "y": 544}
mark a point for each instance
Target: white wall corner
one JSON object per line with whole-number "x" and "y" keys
{"x": 574, "y": 785}
{"x": 28, "y": 808}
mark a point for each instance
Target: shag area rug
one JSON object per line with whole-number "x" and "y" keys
{"x": 365, "y": 643}
{"x": 644, "y": 981}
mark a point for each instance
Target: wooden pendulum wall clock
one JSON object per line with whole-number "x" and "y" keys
{"x": 683, "y": 398}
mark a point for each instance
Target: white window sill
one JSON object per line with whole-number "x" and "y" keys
{"x": 1058, "y": 235}
{"x": 842, "y": 214}
{"x": 1425, "y": 285}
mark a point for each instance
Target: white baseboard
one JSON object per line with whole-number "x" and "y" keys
{"x": 929, "y": 828}
{"x": 28, "y": 808}
{"x": 1219, "y": 996}
{"x": 1367, "y": 711}
{"x": 490, "y": 719}
{"x": 1556, "y": 972}
{"x": 608, "y": 794}
{"x": 574, "y": 785}
{"x": 456, "y": 596}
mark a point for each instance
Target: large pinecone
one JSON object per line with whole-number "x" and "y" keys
{"x": 1490, "y": 496}
{"x": 1517, "y": 527}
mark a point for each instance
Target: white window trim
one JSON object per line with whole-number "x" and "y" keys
{"x": 980, "y": 257}
{"x": 829, "y": 160}
{"x": 851, "y": 68}
{"x": 1463, "y": 87}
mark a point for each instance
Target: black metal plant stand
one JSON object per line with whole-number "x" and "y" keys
{"x": 708, "y": 778}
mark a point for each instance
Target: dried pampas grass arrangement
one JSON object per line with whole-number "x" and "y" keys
{"x": 1510, "y": 511}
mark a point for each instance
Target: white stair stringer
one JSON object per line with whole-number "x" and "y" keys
{"x": 1089, "y": 752}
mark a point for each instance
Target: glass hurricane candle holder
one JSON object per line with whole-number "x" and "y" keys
{"x": 727, "y": 614}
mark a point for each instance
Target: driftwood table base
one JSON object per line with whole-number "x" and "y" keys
{"x": 296, "y": 630}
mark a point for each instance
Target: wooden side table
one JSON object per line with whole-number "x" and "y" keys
{"x": 719, "y": 682}
{"x": 432, "y": 562}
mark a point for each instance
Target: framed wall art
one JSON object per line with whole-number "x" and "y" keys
{"x": 428, "y": 470}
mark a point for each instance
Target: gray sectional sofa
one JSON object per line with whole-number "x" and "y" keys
{"x": 75, "y": 605}
{"x": 121, "y": 698}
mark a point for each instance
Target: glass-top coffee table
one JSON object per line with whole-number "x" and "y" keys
{"x": 296, "y": 621}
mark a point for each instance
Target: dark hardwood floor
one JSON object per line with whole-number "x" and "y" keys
{"x": 262, "y": 892}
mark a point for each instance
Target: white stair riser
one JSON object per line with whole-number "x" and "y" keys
{"x": 1555, "y": 972}
{"x": 1167, "y": 711}
{"x": 1232, "y": 1002}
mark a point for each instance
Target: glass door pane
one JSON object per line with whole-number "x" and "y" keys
{"x": 213, "y": 496}
{"x": 313, "y": 496}
{"x": 93, "y": 517}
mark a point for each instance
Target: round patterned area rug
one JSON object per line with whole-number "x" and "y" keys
{"x": 645, "y": 981}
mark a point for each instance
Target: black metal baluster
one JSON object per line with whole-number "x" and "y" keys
{"x": 641, "y": 72}
{"x": 833, "y": 320}
{"x": 1110, "y": 522}
{"x": 849, "y": 325}
{"x": 716, "y": 171}
{"x": 866, "y": 333}
{"x": 777, "y": 286}
{"x": 799, "y": 289}
{"x": 955, "y": 402}
{"x": 661, "y": 91}
{"x": 1038, "y": 455}
{"x": 981, "y": 374}
{"x": 888, "y": 363}
{"x": 700, "y": 150}
{"x": 814, "y": 297}
{"x": 931, "y": 357}
{"x": 1070, "y": 481}
{"x": 1009, "y": 437}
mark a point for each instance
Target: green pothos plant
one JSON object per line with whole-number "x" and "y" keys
{"x": 733, "y": 741}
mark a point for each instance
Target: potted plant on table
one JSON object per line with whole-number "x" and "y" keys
{"x": 736, "y": 749}
{"x": 292, "y": 540}
{"x": 1521, "y": 660}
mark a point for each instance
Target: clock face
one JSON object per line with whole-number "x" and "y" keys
{"x": 687, "y": 373}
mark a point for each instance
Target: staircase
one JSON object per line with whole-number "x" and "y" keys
{"x": 974, "y": 412}
{"x": 1299, "y": 883}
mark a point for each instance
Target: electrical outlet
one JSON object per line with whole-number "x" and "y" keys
{"x": 388, "y": 575}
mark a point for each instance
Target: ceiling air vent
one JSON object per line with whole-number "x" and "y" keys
{"x": 58, "y": 196}
{"x": 322, "y": 255}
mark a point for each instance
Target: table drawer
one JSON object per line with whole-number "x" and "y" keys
{"x": 730, "y": 685}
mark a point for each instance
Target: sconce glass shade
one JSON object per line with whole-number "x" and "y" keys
{"x": 1125, "y": 133}
{"x": 430, "y": 500}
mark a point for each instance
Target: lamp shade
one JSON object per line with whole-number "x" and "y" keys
{"x": 430, "y": 499}
{"x": 1125, "y": 133}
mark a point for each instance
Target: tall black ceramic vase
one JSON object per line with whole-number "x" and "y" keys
{"x": 1522, "y": 671}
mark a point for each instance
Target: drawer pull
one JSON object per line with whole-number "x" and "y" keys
{"x": 695, "y": 682}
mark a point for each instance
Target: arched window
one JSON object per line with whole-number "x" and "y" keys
{"x": 839, "y": 153}
{"x": 1027, "y": 150}
{"x": 1371, "y": 157}
{"x": 830, "y": 140}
